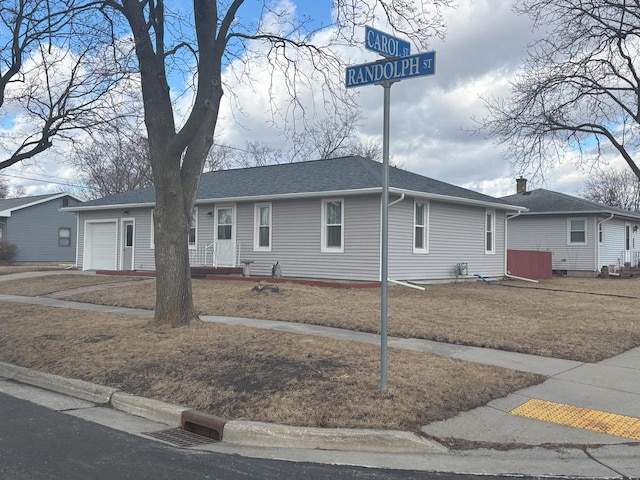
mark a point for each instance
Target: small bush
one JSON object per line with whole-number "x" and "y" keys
{"x": 7, "y": 252}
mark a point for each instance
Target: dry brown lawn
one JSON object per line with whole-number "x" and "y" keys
{"x": 239, "y": 372}
{"x": 578, "y": 319}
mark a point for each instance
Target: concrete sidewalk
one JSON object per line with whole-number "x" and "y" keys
{"x": 608, "y": 387}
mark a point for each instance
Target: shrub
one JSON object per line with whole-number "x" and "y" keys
{"x": 7, "y": 252}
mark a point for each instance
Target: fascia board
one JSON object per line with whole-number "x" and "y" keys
{"x": 460, "y": 200}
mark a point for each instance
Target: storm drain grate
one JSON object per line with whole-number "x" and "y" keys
{"x": 578, "y": 417}
{"x": 180, "y": 438}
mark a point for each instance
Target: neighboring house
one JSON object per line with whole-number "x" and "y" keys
{"x": 37, "y": 227}
{"x": 582, "y": 236}
{"x": 318, "y": 219}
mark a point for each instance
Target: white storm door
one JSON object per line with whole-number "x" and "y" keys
{"x": 225, "y": 236}
{"x": 127, "y": 244}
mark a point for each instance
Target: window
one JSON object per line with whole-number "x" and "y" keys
{"x": 225, "y": 223}
{"x": 64, "y": 237}
{"x": 600, "y": 233}
{"x": 420, "y": 227}
{"x": 262, "y": 227}
{"x": 193, "y": 228}
{"x": 65, "y": 202}
{"x": 577, "y": 231}
{"x": 627, "y": 237}
{"x": 332, "y": 226}
{"x": 490, "y": 232}
{"x": 128, "y": 234}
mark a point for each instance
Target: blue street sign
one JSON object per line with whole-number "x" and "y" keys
{"x": 385, "y": 44}
{"x": 393, "y": 69}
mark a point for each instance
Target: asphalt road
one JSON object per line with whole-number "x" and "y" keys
{"x": 41, "y": 444}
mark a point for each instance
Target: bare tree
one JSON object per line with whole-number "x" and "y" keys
{"x": 579, "y": 89}
{"x": 616, "y": 188}
{"x": 117, "y": 161}
{"x": 326, "y": 138}
{"x": 56, "y": 75}
{"x": 212, "y": 35}
{"x": 4, "y": 187}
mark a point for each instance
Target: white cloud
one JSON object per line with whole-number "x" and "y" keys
{"x": 431, "y": 117}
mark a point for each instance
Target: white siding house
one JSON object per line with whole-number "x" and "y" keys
{"x": 582, "y": 236}
{"x": 318, "y": 219}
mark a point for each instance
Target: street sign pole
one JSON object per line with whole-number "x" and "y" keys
{"x": 398, "y": 65}
{"x": 384, "y": 273}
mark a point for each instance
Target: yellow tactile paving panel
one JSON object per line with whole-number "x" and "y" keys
{"x": 572, "y": 416}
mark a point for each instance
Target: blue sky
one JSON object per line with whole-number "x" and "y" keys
{"x": 431, "y": 117}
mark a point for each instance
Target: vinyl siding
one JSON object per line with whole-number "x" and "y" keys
{"x": 612, "y": 250}
{"x": 143, "y": 254}
{"x": 456, "y": 234}
{"x": 296, "y": 244}
{"x": 34, "y": 231}
{"x": 549, "y": 233}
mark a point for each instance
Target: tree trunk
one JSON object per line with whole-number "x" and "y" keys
{"x": 174, "y": 302}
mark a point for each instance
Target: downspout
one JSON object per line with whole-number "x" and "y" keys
{"x": 398, "y": 282}
{"x": 597, "y": 249}
{"x": 398, "y": 200}
{"x": 506, "y": 273}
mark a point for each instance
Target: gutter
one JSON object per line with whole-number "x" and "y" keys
{"x": 506, "y": 272}
{"x": 335, "y": 193}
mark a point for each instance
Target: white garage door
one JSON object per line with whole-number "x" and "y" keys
{"x": 101, "y": 246}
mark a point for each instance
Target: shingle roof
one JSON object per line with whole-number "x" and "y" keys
{"x": 541, "y": 201}
{"x": 319, "y": 176}
{"x": 9, "y": 204}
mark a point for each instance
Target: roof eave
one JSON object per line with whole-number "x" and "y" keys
{"x": 587, "y": 212}
{"x": 326, "y": 193}
{"x": 7, "y": 212}
{"x": 460, "y": 200}
{"x": 246, "y": 198}
{"x": 112, "y": 206}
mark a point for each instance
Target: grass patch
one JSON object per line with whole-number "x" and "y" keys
{"x": 239, "y": 372}
{"x": 577, "y": 319}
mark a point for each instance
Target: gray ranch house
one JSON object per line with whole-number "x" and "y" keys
{"x": 39, "y": 230}
{"x": 318, "y": 219}
{"x": 582, "y": 236}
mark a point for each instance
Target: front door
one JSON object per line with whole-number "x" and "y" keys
{"x": 127, "y": 245}
{"x": 225, "y": 237}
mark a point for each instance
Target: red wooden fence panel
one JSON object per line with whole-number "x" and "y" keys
{"x": 529, "y": 264}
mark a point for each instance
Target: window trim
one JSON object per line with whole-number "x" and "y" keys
{"x": 490, "y": 228}
{"x": 323, "y": 233}
{"x": 569, "y": 231}
{"x": 425, "y": 226}
{"x": 60, "y": 229}
{"x": 256, "y": 226}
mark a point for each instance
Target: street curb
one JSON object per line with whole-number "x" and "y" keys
{"x": 236, "y": 432}
{"x": 150, "y": 409}
{"x": 260, "y": 434}
{"x": 90, "y": 392}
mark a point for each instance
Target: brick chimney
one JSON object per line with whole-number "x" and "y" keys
{"x": 521, "y": 185}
